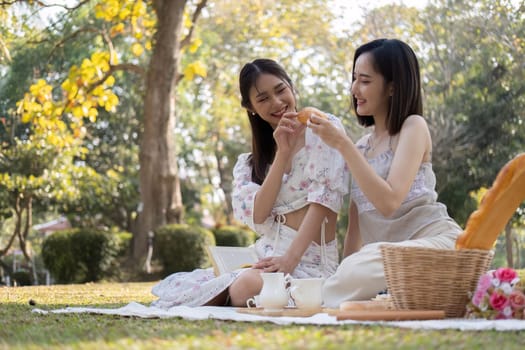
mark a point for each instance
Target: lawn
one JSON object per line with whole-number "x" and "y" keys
{"x": 22, "y": 329}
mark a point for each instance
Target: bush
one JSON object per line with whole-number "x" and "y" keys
{"x": 21, "y": 278}
{"x": 83, "y": 254}
{"x": 235, "y": 236}
{"x": 124, "y": 243}
{"x": 58, "y": 256}
{"x": 181, "y": 247}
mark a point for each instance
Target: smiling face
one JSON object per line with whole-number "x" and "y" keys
{"x": 370, "y": 89}
{"x": 271, "y": 97}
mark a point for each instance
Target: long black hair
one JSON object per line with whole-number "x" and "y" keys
{"x": 398, "y": 64}
{"x": 263, "y": 143}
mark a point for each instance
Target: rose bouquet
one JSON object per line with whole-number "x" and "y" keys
{"x": 498, "y": 295}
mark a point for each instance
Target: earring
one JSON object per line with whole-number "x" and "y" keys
{"x": 252, "y": 114}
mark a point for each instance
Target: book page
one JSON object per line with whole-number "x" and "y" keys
{"x": 226, "y": 259}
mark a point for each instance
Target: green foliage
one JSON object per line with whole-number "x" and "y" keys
{"x": 123, "y": 240}
{"x": 94, "y": 257}
{"x": 38, "y": 170}
{"x": 472, "y": 66}
{"x": 235, "y": 236}
{"x": 459, "y": 205}
{"x": 181, "y": 247}
{"x": 5, "y": 210}
{"x": 83, "y": 254}
{"x": 99, "y": 186}
{"x": 58, "y": 256}
{"x": 500, "y": 251}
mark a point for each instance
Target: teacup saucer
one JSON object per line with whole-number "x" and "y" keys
{"x": 272, "y": 310}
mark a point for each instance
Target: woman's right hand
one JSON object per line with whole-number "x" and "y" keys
{"x": 277, "y": 264}
{"x": 288, "y": 132}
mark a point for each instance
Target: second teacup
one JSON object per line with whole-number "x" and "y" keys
{"x": 307, "y": 293}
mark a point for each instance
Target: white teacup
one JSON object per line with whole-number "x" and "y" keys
{"x": 307, "y": 292}
{"x": 253, "y": 302}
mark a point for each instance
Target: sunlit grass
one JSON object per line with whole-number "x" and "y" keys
{"x": 22, "y": 329}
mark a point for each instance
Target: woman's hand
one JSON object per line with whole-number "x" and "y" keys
{"x": 276, "y": 264}
{"x": 328, "y": 132}
{"x": 287, "y": 132}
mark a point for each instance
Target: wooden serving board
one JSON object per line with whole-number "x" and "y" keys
{"x": 288, "y": 311}
{"x": 389, "y": 315}
{"x": 358, "y": 315}
{"x": 366, "y": 305}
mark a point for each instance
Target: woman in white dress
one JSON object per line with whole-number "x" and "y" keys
{"x": 289, "y": 190}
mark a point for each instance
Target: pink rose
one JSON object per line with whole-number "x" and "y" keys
{"x": 478, "y": 297}
{"x": 505, "y": 274}
{"x": 498, "y": 301}
{"x": 517, "y": 299}
{"x": 484, "y": 283}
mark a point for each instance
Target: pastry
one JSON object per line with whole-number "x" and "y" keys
{"x": 304, "y": 114}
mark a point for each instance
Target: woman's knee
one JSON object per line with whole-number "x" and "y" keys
{"x": 244, "y": 287}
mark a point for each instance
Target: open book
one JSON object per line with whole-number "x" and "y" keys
{"x": 226, "y": 259}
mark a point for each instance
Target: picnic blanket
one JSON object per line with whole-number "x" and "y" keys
{"x": 229, "y": 313}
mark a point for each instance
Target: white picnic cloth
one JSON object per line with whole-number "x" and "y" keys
{"x": 134, "y": 309}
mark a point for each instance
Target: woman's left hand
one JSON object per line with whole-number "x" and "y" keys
{"x": 276, "y": 264}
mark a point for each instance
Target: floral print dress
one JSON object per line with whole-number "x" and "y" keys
{"x": 318, "y": 175}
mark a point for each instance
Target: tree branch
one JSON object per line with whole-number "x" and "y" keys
{"x": 8, "y": 246}
{"x": 113, "y": 68}
{"x": 17, "y": 227}
{"x": 129, "y": 67}
{"x": 196, "y": 14}
{"x": 5, "y": 50}
{"x": 74, "y": 35}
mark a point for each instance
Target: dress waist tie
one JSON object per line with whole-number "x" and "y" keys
{"x": 281, "y": 220}
{"x": 323, "y": 247}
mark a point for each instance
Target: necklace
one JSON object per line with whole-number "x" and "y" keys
{"x": 374, "y": 141}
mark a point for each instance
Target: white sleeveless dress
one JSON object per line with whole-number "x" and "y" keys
{"x": 420, "y": 221}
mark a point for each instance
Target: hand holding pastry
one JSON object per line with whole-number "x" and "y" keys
{"x": 305, "y": 114}
{"x": 321, "y": 126}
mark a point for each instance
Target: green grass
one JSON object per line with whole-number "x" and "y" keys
{"x": 22, "y": 329}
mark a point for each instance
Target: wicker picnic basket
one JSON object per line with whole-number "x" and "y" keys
{"x": 433, "y": 279}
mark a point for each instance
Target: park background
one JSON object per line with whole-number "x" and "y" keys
{"x": 122, "y": 118}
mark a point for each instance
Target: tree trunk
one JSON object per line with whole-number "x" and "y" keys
{"x": 517, "y": 261}
{"x": 27, "y": 206}
{"x": 159, "y": 182}
{"x": 508, "y": 244}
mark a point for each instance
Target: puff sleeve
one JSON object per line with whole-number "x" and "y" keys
{"x": 327, "y": 171}
{"x": 244, "y": 191}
